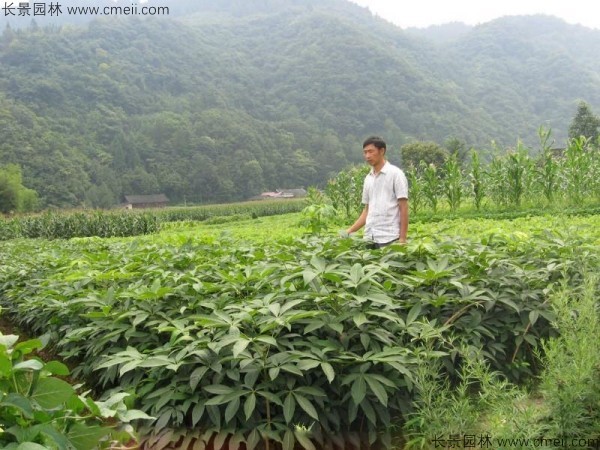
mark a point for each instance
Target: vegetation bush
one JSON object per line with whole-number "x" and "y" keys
{"x": 40, "y": 410}
{"x": 207, "y": 337}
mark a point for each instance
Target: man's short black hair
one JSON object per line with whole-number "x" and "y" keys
{"x": 376, "y": 141}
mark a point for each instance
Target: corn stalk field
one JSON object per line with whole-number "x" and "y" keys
{"x": 299, "y": 341}
{"x": 122, "y": 223}
{"x": 513, "y": 180}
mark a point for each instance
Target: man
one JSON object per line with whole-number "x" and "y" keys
{"x": 385, "y": 196}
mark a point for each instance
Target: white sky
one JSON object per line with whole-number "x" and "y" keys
{"x": 422, "y": 13}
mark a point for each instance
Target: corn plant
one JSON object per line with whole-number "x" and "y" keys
{"x": 452, "y": 182}
{"x": 476, "y": 180}
{"x": 594, "y": 171}
{"x": 497, "y": 182}
{"x": 345, "y": 190}
{"x": 547, "y": 168}
{"x": 575, "y": 169}
{"x": 318, "y": 212}
{"x": 518, "y": 169}
{"x": 415, "y": 189}
{"x": 431, "y": 185}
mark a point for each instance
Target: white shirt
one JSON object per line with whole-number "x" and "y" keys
{"x": 381, "y": 193}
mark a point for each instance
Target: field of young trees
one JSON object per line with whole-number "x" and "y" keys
{"x": 254, "y": 330}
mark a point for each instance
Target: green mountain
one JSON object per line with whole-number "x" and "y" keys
{"x": 217, "y": 101}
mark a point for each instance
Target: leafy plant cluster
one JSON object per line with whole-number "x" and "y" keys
{"x": 563, "y": 402}
{"x": 318, "y": 342}
{"x": 39, "y": 410}
{"x": 14, "y": 197}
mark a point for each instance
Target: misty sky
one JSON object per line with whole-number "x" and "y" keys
{"x": 422, "y": 13}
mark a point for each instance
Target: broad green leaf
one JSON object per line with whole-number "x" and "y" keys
{"x": 308, "y": 276}
{"x": 369, "y": 411}
{"x": 312, "y": 391}
{"x": 510, "y": 303}
{"x": 378, "y": 389}
{"x": 275, "y": 309}
{"x": 307, "y": 364}
{"x": 219, "y": 389}
{"x": 271, "y": 397}
{"x": 217, "y": 400}
{"x": 232, "y": 409}
{"x": 57, "y": 438}
{"x": 28, "y": 346}
{"x": 115, "y": 399}
{"x": 30, "y": 364}
{"x": 318, "y": 263}
{"x": 86, "y": 437}
{"x": 328, "y": 371}
{"x": 307, "y": 406}
{"x": 197, "y": 413}
{"x": 304, "y": 440}
{"x": 336, "y": 326}
{"x": 5, "y": 366}
{"x": 8, "y": 340}
{"x": 92, "y": 405}
{"x": 19, "y": 402}
{"x": 57, "y": 368}
{"x": 267, "y": 340}
{"x": 360, "y": 319}
{"x": 413, "y": 314}
{"x": 155, "y": 361}
{"x": 31, "y": 446}
{"x": 128, "y": 367}
{"x": 289, "y": 407}
{"x": 333, "y": 277}
{"x": 274, "y": 373}
{"x": 288, "y": 440}
{"x": 250, "y": 405}
{"x": 358, "y": 390}
{"x": 133, "y": 414}
{"x": 356, "y": 273}
{"x": 533, "y": 316}
{"x": 51, "y": 392}
{"x": 196, "y": 376}
{"x": 240, "y": 346}
{"x": 253, "y": 439}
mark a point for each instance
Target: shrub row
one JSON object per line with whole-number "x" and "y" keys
{"x": 318, "y": 341}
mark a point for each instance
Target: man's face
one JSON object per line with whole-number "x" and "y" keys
{"x": 373, "y": 155}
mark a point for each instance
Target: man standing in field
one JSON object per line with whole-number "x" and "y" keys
{"x": 385, "y": 196}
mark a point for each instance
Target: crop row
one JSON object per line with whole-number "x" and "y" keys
{"x": 511, "y": 180}
{"x": 318, "y": 341}
{"x": 65, "y": 225}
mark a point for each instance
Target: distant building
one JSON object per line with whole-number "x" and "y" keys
{"x": 145, "y": 201}
{"x": 281, "y": 194}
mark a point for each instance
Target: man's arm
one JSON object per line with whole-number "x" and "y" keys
{"x": 403, "y": 205}
{"x": 360, "y": 222}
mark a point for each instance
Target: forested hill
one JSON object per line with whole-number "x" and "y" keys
{"x": 219, "y": 100}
